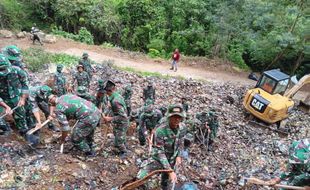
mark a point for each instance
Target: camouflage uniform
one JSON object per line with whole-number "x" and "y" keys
{"x": 3, "y": 125}
{"x": 82, "y": 79}
{"x": 70, "y": 106}
{"x": 13, "y": 54}
{"x": 298, "y": 168}
{"x": 149, "y": 93}
{"x": 87, "y": 65}
{"x": 168, "y": 145}
{"x": 82, "y": 92}
{"x": 127, "y": 96}
{"x": 120, "y": 121}
{"x": 101, "y": 97}
{"x": 211, "y": 119}
{"x": 148, "y": 120}
{"x": 60, "y": 81}
{"x": 14, "y": 84}
{"x": 38, "y": 101}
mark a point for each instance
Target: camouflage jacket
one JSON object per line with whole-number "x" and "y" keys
{"x": 149, "y": 93}
{"x": 298, "y": 169}
{"x": 35, "y": 98}
{"x": 14, "y": 84}
{"x": 59, "y": 81}
{"x": 90, "y": 98}
{"x": 118, "y": 107}
{"x": 168, "y": 144}
{"x": 150, "y": 120}
{"x": 70, "y": 106}
{"x": 82, "y": 79}
{"x": 127, "y": 95}
{"x": 101, "y": 99}
{"x": 87, "y": 65}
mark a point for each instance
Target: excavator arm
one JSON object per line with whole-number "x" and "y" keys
{"x": 303, "y": 81}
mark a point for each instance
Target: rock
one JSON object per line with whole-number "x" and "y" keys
{"x": 21, "y": 35}
{"x": 49, "y": 39}
{"x": 6, "y": 34}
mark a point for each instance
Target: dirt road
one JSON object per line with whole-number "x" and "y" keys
{"x": 135, "y": 61}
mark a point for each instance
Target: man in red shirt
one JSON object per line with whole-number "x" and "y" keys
{"x": 175, "y": 58}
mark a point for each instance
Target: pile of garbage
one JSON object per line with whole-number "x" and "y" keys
{"x": 240, "y": 150}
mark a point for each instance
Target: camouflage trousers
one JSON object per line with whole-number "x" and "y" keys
{"x": 19, "y": 114}
{"x": 300, "y": 180}
{"x": 142, "y": 135}
{"x": 152, "y": 165}
{"x": 83, "y": 134}
{"x": 31, "y": 120}
{"x": 119, "y": 131}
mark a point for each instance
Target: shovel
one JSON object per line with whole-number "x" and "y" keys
{"x": 2, "y": 116}
{"x": 31, "y": 131}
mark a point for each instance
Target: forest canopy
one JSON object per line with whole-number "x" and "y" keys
{"x": 259, "y": 34}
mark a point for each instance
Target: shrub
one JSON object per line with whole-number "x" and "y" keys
{"x": 38, "y": 59}
{"x": 84, "y": 35}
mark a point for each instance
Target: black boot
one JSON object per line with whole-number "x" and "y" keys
{"x": 5, "y": 129}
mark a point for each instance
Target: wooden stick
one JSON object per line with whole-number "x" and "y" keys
{"x": 31, "y": 131}
{"x": 2, "y": 116}
{"x": 261, "y": 182}
{"x": 151, "y": 143}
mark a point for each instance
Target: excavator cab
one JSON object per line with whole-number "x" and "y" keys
{"x": 274, "y": 82}
{"x": 267, "y": 101}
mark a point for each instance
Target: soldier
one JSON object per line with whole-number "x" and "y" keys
{"x": 149, "y": 92}
{"x": 38, "y": 99}
{"x": 81, "y": 77}
{"x": 184, "y": 104}
{"x": 82, "y": 93}
{"x": 35, "y": 34}
{"x": 87, "y": 65}
{"x": 208, "y": 127}
{"x": 119, "y": 119}
{"x": 4, "y": 127}
{"x": 13, "y": 91}
{"x": 127, "y": 96}
{"x": 70, "y": 106}
{"x": 101, "y": 97}
{"x": 60, "y": 81}
{"x": 167, "y": 147}
{"x": 148, "y": 120}
{"x": 13, "y": 54}
{"x": 298, "y": 168}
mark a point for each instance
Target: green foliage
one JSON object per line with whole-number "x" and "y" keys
{"x": 256, "y": 33}
{"x": 83, "y": 36}
{"x": 65, "y": 59}
{"x": 37, "y": 59}
{"x": 235, "y": 56}
{"x": 13, "y": 15}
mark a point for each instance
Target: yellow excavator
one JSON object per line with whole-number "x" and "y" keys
{"x": 270, "y": 100}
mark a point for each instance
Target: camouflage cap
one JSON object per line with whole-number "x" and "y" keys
{"x": 100, "y": 82}
{"x": 299, "y": 152}
{"x": 109, "y": 84}
{"x": 60, "y": 66}
{"x": 85, "y": 54}
{"x": 45, "y": 91}
{"x": 81, "y": 91}
{"x": 4, "y": 65}
{"x": 13, "y": 53}
{"x": 175, "y": 109}
{"x": 80, "y": 65}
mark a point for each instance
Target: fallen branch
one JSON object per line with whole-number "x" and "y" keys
{"x": 256, "y": 181}
{"x": 134, "y": 183}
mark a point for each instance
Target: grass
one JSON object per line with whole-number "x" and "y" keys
{"x": 37, "y": 59}
{"x": 146, "y": 73}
